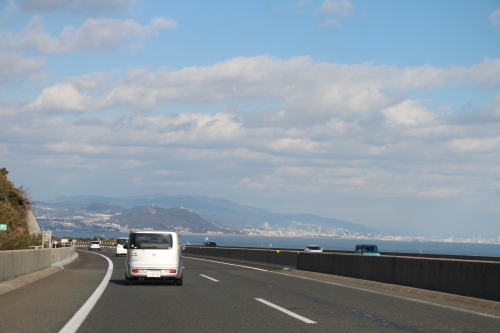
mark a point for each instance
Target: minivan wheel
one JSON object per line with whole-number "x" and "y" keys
{"x": 178, "y": 282}
{"x": 128, "y": 281}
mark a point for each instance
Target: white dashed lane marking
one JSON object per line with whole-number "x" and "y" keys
{"x": 290, "y": 313}
{"x": 208, "y": 277}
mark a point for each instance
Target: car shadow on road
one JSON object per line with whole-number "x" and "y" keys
{"x": 144, "y": 283}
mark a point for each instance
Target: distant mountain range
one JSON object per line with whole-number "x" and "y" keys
{"x": 219, "y": 213}
{"x": 165, "y": 219}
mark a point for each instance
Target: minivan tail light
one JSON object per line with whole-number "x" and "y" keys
{"x": 173, "y": 271}
{"x": 135, "y": 270}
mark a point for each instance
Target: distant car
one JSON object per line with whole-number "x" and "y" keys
{"x": 313, "y": 248}
{"x": 367, "y": 249}
{"x": 210, "y": 244}
{"x": 95, "y": 245}
{"x": 120, "y": 246}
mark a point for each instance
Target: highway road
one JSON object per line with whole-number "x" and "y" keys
{"x": 228, "y": 297}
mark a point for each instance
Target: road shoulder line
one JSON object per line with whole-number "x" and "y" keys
{"x": 74, "y": 323}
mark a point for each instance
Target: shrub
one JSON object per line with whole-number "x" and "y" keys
{"x": 21, "y": 242}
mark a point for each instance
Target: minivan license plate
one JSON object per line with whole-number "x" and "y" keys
{"x": 153, "y": 273}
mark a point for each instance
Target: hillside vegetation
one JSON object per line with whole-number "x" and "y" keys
{"x": 14, "y": 206}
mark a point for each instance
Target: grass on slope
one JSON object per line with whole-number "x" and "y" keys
{"x": 14, "y": 205}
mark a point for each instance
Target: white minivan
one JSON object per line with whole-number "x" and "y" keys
{"x": 153, "y": 255}
{"x": 119, "y": 246}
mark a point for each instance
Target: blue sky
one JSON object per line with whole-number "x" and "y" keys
{"x": 385, "y": 113}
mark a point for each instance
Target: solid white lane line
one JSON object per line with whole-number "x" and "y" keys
{"x": 75, "y": 322}
{"x": 225, "y": 263}
{"x": 208, "y": 277}
{"x": 290, "y": 313}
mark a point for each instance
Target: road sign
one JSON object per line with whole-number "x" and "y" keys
{"x": 3, "y": 227}
{"x": 47, "y": 236}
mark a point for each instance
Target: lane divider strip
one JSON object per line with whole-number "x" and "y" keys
{"x": 290, "y": 313}
{"x": 208, "y": 277}
{"x": 75, "y": 322}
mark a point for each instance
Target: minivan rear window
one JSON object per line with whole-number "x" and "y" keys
{"x": 151, "y": 241}
{"x": 122, "y": 241}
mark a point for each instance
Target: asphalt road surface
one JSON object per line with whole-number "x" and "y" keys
{"x": 225, "y": 297}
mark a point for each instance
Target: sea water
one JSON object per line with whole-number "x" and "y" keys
{"x": 328, "y": 243}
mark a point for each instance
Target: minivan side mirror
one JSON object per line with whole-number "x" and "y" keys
{"x": 125, "y": 246}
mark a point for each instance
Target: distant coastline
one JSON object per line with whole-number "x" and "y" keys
{"x": 329, "y": 243}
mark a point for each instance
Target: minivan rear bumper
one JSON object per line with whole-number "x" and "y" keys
{"x": 140, "y": 270}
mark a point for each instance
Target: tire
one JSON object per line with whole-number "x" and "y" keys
{"x": 128, "y": 281}
{"x": 178, "y": 282}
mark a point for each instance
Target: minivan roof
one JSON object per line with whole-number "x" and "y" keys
{"x": 153, "y": 231}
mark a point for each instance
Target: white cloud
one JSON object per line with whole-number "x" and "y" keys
{"x": 330, "y": 22}
{"x": 335, "y": 8}
{"x": 495, "y": 18}
{"x": 408, "y": 113}
{"x": 61, "y": 98}
{"x": 472, "y": 145}
{"x": 442, "y": 192}
{"x": 485, "y": 74}
{"x": 99, "y": 34}
{"x": 290, "y": 144}
{"x": 4, "y": 149}
{"x": 163, "y": 23}
{"x": 67, "y": 147}
{"x": 309, "y": 91}
{"x": 14, "y": 68}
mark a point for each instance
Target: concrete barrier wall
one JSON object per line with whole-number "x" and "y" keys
{"x": 60, "y": 254}
{"x": 22, "y": 262}
{"x": 272, "y": 257}
{"x": 478, "y": 279}
{"x": 437, "y": 256}
{"x": 472, "y": 278}
{"x": 283, "y": 258}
